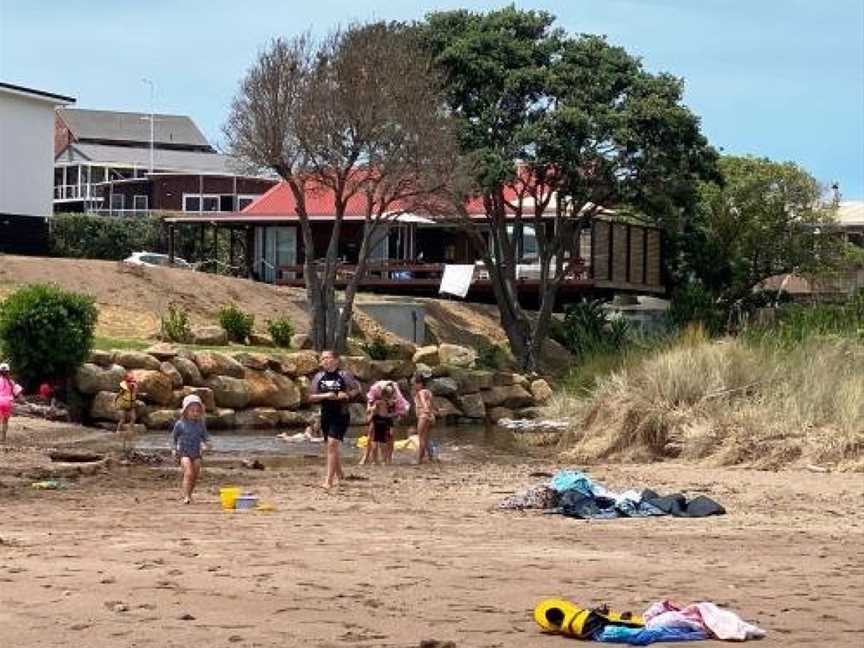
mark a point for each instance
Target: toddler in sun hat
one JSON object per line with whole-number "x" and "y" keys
{"x": 189, "y": 439}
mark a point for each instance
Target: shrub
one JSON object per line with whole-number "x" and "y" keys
{"x": 46, "y": 332}
{"x": 692, "y": 303}
{"x": 281, "y": 329}
{"x": 377, "y": 349}
{"x": 491, "y": 356}
{"x": 175, "y": 324}
{"x": 102, "y": 237}
{"x": 587, "y": 330}
{"x": 236, "y": 323}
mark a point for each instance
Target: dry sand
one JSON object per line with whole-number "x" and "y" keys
{"x": 406, "y": 554}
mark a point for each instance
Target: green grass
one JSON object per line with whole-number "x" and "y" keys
{"x": 132, "y": 344}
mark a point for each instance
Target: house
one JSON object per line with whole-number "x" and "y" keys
{"x": 26, "y": 157}
{"x": 124, "y": 163}
{"x": 410, "y": 251}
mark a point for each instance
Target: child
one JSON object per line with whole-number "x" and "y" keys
{"x": 188, "y": 440}
{"x": 125, "y": 404}
{"x": 426, "y": 412}
{"x": 379, "y": 415}
{"x": 399, "y": 406}
{"x": 9, "y": 391}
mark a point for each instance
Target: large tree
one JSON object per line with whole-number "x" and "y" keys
{"x": 551, "y": 121}
{"x": 359, "y": 116}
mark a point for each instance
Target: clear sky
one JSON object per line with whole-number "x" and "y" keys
{"x": 779, "y": 78}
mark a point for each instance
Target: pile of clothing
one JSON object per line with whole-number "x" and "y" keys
{"x": 664, "y": 621}
{"x": 575, "y": 494}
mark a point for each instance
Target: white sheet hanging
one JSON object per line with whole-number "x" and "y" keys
{"x": 457, "y": 279}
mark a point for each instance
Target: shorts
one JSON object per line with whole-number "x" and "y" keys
{"x": 381, "y": 431}
{"x": 5, "y": 409}
{"x": 335, "y": 426}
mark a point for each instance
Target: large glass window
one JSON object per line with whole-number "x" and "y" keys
{"x": 139, "y": 203}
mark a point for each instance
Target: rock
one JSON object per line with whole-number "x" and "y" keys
{"x": 271, "y": 389}
{"x": 541, "y": 390}
{"x": 289, "y": 395}
{"x": 427, "y": 355}
{"x": 521, "y": 380}
{"x": 353, "y": 347}
{"x": 101, "y": 358}
{"x": 102, "y": 408}
{"x": 360, "y": 366}
{"x": 209, "y": 336}
{"x": 173, "y": 375}
{"x": 221, "y": 419}
{"x": 160, "y": 419}
{"x": 497, "y": 413}
{"x": 358, "y": 413}
{"x": 390, "y": 369}
{"x": 154, "y": 386}
{"x": 306, "y": 362}
{"x": 261, "y": 340}
{"x": 213, "y": 363}
{"x": 403, "y": 350}
{"x": 503, "y": 378}
{"x": 91, "y": 378}
{"x": 252, "y": 360}
{"x": 302, "y": 384}
{"x": 510, "y": 396}
{"x": 301, "y": 341}
{"x": 136, "y": 360}
{"x": 290, "y": 419}
{"x": 280, "y": 363}
{"x": 230, "y": 392}
{"x": 253, "y": 464}
{"x": 447, "y": 411}
{"x": 530, "y": 413}
{"x": 456, "y": 355}
{"x": 443, "y": 387}
{"x": 188, "y": 371}
{"x": 257, "y": 418}
{"x": 471, "y": 381}
{"x": 204, "y": 393}
{"x": 472, "y": 406}
{"x": 162, "y": 351}
{"x": 423, "y": 369}
{"x": 439, "y": 371}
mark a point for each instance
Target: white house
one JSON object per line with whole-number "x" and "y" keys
{"x": 26, "y": 167}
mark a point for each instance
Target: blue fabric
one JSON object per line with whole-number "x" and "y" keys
{"x": 570, "y": 480}
{"x": 646, "y": 636}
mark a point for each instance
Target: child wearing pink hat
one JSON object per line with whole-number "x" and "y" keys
{"x": 9, "y": 391}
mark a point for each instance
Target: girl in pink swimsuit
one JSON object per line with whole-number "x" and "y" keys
{"x": 9, "y": 391}
{"x": 426, "y": 412}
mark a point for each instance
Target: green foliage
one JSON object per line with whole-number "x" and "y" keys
{"x": 236, "y": 323}
{"x": 795, "y": 323}
{"x": 587, "y": 330}
{"x": 491, "y": 356}
{"x": 281, "y": 329}
{"x": 46, "y": 332}
{"x": 377, "y": 349}
{"x": 97, "y": 237}
{"x": 175, "y": 324}
{"x": 692, "y": 303}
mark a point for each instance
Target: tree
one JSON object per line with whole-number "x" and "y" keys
{"x": 360, "y": 116}
{"x": 765, "y": 218}
{"x": 549, "y": 121}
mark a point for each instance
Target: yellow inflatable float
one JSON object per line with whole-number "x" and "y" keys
{"x": 563, "y": 617}
{"x": 411, "y": 443}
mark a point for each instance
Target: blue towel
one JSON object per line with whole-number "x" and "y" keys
{"x": 645, "y": 636}
{"x": 568, "y": 480}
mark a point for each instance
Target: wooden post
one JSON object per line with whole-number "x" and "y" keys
{"x": 171, "y": 243}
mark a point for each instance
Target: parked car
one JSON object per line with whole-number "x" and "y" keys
{"x": 152, "y": 259}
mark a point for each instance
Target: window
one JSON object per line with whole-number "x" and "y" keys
{"x": 118, "y": 201}
{"x": 97, "y": 174}
{"x": 139, "y": 203}
{"x": 197, "y": 202}
{"x": 244, "y": 201}
{"x": 226, "y": 203}
{"x": 191, "y": 203}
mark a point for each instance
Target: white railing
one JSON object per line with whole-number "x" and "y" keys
{"x": 76, "y": 192}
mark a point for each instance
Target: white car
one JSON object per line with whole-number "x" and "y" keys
{"x": 152, "y": 259}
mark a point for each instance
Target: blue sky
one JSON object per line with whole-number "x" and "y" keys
{"x": 779, "y": 78}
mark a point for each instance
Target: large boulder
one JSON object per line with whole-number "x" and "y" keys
{"x": 257, "y": 418}
{"x": 471, "y": 381}
{"x": 221, "y": 419}
{"x": 136, "y": 360}
{"x": 173, "y": 375}
{"x": 495, "y": 414}
{"x": 305, "y": 362}
{"x": 209, "y": 336}
{"x": 288, "y": 394}
{"x": 91, "y": 378}
{"x": 360, "y": 366}
{"x": 188, "y": 371}
{"x": 154, "y": 386}
{"x": 292, "y": 419}
{"x": 252, "y": 360}
{"x": 282, "y": 364}
{"x": 391, "y": 369}
{"x": 457, "y": 355}
{"x": 160, "y": 419}
{"x": 101, "y": 358}
{"x": 427, "y": 355}
{"x": 229, "y": 392}
{"x": 403, "y": 350}
{"x": 301, "y": 341}
{"x": 213, "y": 363}
{"x": 472, "y": 406}
{"x": 204, "y": 393}
{"x": 510, "y": 396}
{"x": 541, "y": 390}
{"x": 443, "y": 386}
{"x": 162, "y": 351}
{"x": 102, "y": 408}
{"x": 261, "y": 339}
{"x": 302, "y": 384}
{"x": 271, "y": 389}
{"x": 503, "y": 378}
{"x": 447, "y": 411}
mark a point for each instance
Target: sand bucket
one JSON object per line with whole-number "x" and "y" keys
{"x": 228, "y": 495}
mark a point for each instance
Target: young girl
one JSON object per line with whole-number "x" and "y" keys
{"x": 379, "y": 415}
{"x": 426, "y": 412}
{"x": 125, "y": 404}
{"x": 9, "y": 391}
{"x": 188, "y": 441}
{"x": 388, "y": 391}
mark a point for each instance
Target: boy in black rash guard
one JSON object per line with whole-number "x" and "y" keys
{"x": 334, "y": 389}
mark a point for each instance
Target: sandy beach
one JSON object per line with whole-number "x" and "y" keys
{"x": 401, "y": 554}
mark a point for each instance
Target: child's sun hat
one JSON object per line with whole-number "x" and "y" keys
{"x": 4, "y": 367}
{"x": 191, "y": 399}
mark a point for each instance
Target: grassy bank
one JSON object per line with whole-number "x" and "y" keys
{"x": 754, "y": 399}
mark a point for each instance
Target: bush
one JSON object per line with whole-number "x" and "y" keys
{"x": 236, "y": 323}
{"x": 491, "y": 356}
{"x": 281, "y": 329}
{"x": 795, "y": 323}
{"x": 692, "y": 303}
{"x": 102, "y": 237}
{"x": 587, "y": 330}
{"x": 46, "y": 332}
{"x": 377, "y": 349}
{"x": 175, "y": 324}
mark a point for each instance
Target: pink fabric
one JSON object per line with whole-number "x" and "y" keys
{"x": 715, "y": 621}
{"x": 9, "y": 391}
{"x": 402, "y": 405}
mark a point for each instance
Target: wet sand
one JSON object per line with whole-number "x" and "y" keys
{"x": 404, "y": 554}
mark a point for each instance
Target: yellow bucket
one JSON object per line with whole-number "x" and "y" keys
{"x": 227, "y": 495}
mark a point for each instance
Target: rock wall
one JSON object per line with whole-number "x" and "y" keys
{"x": 254, "y": 390}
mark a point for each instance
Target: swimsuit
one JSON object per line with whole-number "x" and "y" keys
{"x": 381, "y": 428}
{"x": 335, "y": 417}
{"x": 188, "y": 436}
